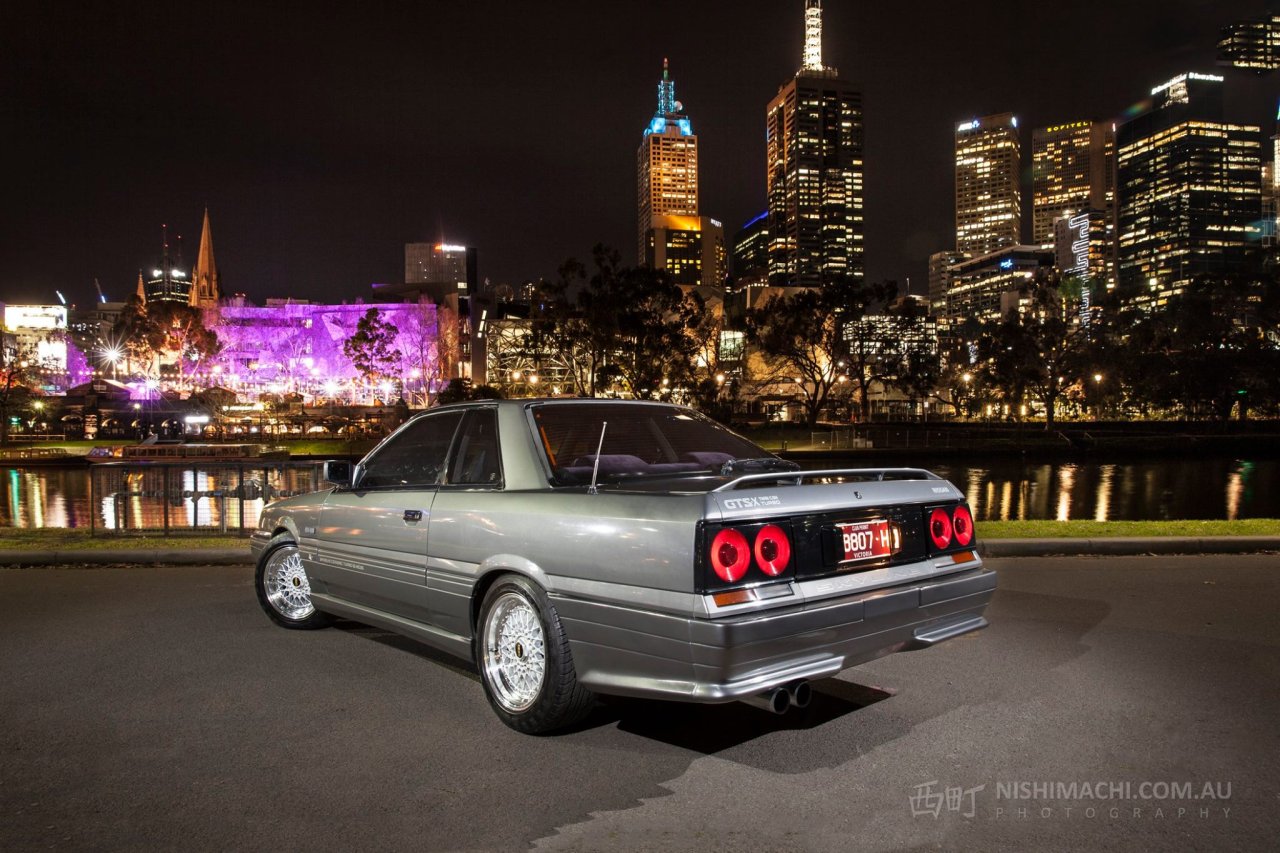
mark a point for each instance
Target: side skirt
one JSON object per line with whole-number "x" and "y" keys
{"x": 427, "y": 634}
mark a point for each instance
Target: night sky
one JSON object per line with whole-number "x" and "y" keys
{"x": 324, "y": 136}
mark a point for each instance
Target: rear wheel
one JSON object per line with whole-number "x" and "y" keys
{"x": 524, "y": 660}
{"x": 283, "y": 588}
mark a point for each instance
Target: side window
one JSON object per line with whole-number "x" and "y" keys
{"x": 476, "y": 461}
{"x": 413, "y": 457}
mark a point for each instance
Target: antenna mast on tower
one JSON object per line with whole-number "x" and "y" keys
{"x": 812, "y": 60}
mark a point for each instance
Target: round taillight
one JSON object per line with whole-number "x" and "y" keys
{"x": 940, "y": 528}
{"x": 962, "y": 525}
{"x": 773, "y": 550}
{"x": 730, "y": 555}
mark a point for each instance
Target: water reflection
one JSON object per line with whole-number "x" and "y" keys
{"x": 996, "y": 489}
{"x": 1066, "y": 480}
{"x": 1151, "y": 489}
{"x": 1102, "y": 498}
{"x": 154, "y": 498}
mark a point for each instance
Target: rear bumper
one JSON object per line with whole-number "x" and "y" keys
{"x": 638, "y": 653}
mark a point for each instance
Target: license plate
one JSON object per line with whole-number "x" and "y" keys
{"x": 865, "y": 540}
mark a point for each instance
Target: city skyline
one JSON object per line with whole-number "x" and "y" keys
{"x": 518, "y": 140}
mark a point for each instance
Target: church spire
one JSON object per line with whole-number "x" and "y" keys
{"x": 204, "y": 280}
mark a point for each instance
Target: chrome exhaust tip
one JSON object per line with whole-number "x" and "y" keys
{"x": 800, "y": 694}
{"x": 775, "y": 701}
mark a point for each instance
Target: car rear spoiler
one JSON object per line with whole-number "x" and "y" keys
{"x": 859, "y": 474}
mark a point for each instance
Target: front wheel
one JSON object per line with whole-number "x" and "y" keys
{"x": 283, "y": 588}
{"x": 524, "y": 660}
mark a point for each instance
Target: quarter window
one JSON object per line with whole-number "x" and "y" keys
{"x": 476, "y": 461}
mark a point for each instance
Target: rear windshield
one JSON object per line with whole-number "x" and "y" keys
{"x": 640, "y": 440}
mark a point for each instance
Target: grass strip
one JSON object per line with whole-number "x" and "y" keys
{"x": 1043, "y": 529}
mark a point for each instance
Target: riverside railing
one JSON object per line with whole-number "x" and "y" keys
{"x": 191, "y": 497}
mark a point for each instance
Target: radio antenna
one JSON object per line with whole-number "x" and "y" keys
{"x": 595, "y": 469}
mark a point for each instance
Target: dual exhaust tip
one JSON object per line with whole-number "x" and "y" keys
{"x": 779, "y": 700}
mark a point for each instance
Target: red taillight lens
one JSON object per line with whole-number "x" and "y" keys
{"x": 730, "y": 555}
{"x": 773, "y": 550}
{"x": 962, "y": 525}
{"x": 940, "y": 528}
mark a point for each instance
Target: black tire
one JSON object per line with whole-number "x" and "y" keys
{"x": 558, "y": 700}
{"x": 283, "y": 589}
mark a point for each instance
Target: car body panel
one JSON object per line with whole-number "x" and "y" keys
{"x": 619, "y": 561}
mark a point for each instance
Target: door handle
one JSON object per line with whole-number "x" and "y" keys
{"x": 413, "y": 515}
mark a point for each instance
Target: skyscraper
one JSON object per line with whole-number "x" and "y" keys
{"x": 169, "y": 281}
{"x": 1252, "y": 44}
{"x": 1071, "y": 170}
{"x": 813, "y": 158}
{"x": 1189, "y": 185}
{"x": 450, "y": 269}
{"x": 1073, "y": 197}
{"x": 672, "y": 235}
{"x": 666, "y": 164}
{"x": 988, "y": 199}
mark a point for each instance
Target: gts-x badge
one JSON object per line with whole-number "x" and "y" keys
{"x": 753, "y": 503}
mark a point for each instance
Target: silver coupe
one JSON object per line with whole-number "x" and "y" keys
{"x": 576, "y": 547}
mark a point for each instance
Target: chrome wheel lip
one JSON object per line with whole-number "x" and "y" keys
{"x": 515, "y": 662}
{"x": 285, "y": 583}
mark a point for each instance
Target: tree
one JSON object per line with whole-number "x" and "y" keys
{"x": 625, "y": 325}
{"x": 156, "y": 332}
{"x": 819, "y": 335}
{"x": 579, "y": 318}
{"x": 1036, "y": 350}
{"x": 1211, "y": 349}
{"x": 912, "y": 363}
{"x": 459, "y": 390}
{"x": 18, "y": 374}
{"x": 371, "y": 348}
{"x": 655, "y": 349}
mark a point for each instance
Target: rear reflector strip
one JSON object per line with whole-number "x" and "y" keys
{"x": 964, "y": 557}
{"x": 757, "y": 593}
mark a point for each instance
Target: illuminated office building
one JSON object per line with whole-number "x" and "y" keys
{"x": 814, "y": 171}
{"x": 1271, "y": 191}
{"x": 666, "y": 164}
{"x": 168, "y": 281}
{"x": 1253, "y": 44}
{"x": 940, "y": 273}
{"x": 750, "y": 255}
{"x": 988, "y": 198}
{"x": 447, "y": 268}
{"x": 672, "y": 235}
{"x": 690, "y": 248}
{"x": 1189, "y": 185}
{"x": 1072, "y": 170}
{"x": 986, "y": 288}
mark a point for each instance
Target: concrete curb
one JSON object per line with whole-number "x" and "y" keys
{"x": 1121, "y": 546}
{"x": 132, "y": 557}
{"x": 1118, "y": 546}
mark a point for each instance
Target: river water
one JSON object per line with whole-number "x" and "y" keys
{"x": 997, "y": 489}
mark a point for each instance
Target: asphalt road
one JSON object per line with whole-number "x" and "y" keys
{"x": 159, "y": 709}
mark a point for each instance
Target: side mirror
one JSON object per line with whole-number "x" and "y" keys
{"x": 338, "y": 472}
